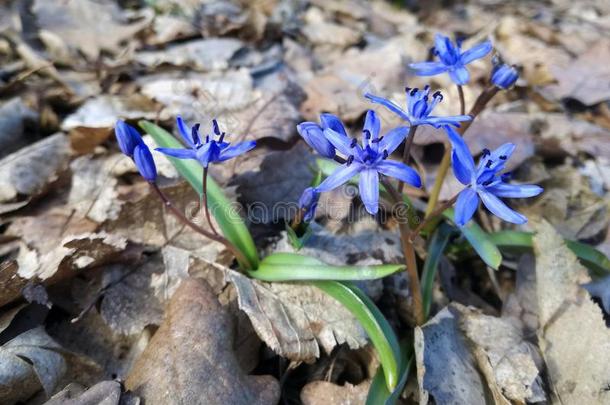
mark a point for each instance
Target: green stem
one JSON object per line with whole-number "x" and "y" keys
{"x": 204, "y": 197}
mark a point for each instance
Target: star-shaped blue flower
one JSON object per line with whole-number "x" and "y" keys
{"x": 369, "y": 161}
{"x": 485, "y": 182}
{"x": 452, "y": 59}
{"x": 419, "y": 108}
{"x": 210, "y": 150}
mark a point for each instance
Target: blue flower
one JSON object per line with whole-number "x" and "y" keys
{"x": 485, "y": 182}
{"x": 309, "y": 202}
{"x": 127, "y": 137}
{"x": 504, "y": 76}
{"x": 145, "y": 162}
{"x": 452, "y": 59}
{"x": 419, "y": 108}
{"x": 211, "y": 150}
{"x": 368, "y": 160}
{"x": 313, "y": 134}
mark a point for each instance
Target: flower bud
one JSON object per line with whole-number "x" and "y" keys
{"x": 145, "y": 162}
{"x": 504, "y": 76}
{"x": 127, "y": 137}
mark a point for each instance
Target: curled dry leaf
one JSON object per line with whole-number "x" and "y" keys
{"x": 29, "y": 362}
{"x": 190, "y": 360}
{"x": 573, "y": 336}
{"x": 29, "y": 171}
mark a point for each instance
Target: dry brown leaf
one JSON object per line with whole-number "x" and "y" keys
{"x": 190, "y": 360}
{"x": 573, "y": 336}
{"x": 323, "y": 393}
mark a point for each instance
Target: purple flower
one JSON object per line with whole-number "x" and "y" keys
{"x": 145, "y": 162}
{"x": 504, "y": 76}
{"x": 419, "y": 108}
{"x": 210, "y": 150}
{"x": 452, "y": 59}
{"x": 127, "y": 137}
{"x": 368, "y": 161}
{"x": 485, "y": 182}
{"x": 313, "y": 134}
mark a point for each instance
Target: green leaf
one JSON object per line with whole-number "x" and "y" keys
{"x": 229, "y": 220}
{"x": 480, "y": 242}
{"x": 378, "y": 392}
{"x": 372, "y": 320}
{"x": 437, "y": 245}
{"x": 295, "y": 267}
{"x": 592, "y": 258}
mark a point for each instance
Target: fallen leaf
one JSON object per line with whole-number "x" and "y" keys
{"x": 29, "y": 171}
{"x": 573, "y": 336}
{"x": 87, "y": 26}
{"x": 326, "y": 33}
{"x": 446, "y": 369}
{"x": 323, "y": 393}
{"x": 29, "y": 362}
{"x": 192, "y": 348}
{"x": 102, "y": 393}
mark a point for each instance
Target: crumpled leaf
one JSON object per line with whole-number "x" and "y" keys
{"x": 446, "y": 369}
{"x": 573, "y": 336}
{"x": 27, "y": 363}
{"x": 87, "y": 26}
{"x": 102, "y": 393}
{"x": 193, "y": 348}
{"x": 30, "y": 170}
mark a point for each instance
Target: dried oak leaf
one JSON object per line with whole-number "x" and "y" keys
{"x": 190, "y": 358}
{"x": 573, "y": 336}
{"x": 87, "y": 26}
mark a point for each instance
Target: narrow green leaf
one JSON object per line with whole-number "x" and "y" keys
{"x": 480, "y": 242}
{"x": 295, "y": 267}
{"x": 592, "y": 258}
{"x": 372, "y": 320}
{"x": 378, "y": 392}
{"x": 229, "y": 220}
{"x": 437, "y": 245}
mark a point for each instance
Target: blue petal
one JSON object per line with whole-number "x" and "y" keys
{"x": 309, "y": 202}
{"x": 339, "y": 176}
{"x": 515, "y": 190}
{"x": 499, "y": 209}
{"x": 428, "y": 68}
{"x": 393, "y": 139}
{"x": 459, "y": 75}
{"x": 333, "y": 122}
{"x": 461, "y": 159}
{"x": 372, "y": 124}
{"x": 369, "y": 190}
{"x": 388, "y": 104}
{"x": 399, "y": 171}
{"x": 476, "y": 52}
{"x": 342, "y": 143}
{"x": 236, "y": 150}
{"x": 185, "y": 132}
{"x": 144, "y": 162}
{"x": 466, "y": 205}
{"x": 440, "y": 121}
{"x": 127, "y": 137}
{"x": 315, "y": 138}
{"x": 498, "y": 158}
{"x": 178, "y": 153}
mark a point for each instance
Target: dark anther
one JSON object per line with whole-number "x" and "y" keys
{"x": 414, "y": 91}
{"x": 486, "y": 152}
{"x": 488, "y": 164}
{"x": 207, "y": 138}
{"x": 437, "y": 94}
{"x": 367, "y": 134}
{"x": 377, "y": 140}
{"x": 487, "y": 183}
{"x": 503, "y": 157}
{"x": 222, "y": 137}
{"x": 507, "y": 176}
{"x": 353, "y": 143}
{"x": 216, "y": 128}
{"x": 407, "y": 89}
{"x": 385, "y": 154}
{"x": 350, "y": 159}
